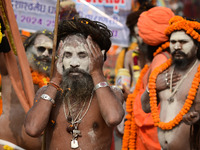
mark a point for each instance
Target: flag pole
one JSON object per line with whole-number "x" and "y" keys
{"x": 53, "y": 58}
{"x": 55, "y": 37}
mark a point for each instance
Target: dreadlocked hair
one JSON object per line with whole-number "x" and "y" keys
{"x": 97, "y": 30}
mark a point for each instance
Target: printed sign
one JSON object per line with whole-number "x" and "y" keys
{"x": 33, "y": 15}
{"x": 113, "y": 13}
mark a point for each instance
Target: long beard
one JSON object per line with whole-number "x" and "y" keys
{"x": 80, "y": 87}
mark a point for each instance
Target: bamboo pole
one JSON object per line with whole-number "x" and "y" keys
{"x": 55, "y": 37}
{"x": 53, "y": 58}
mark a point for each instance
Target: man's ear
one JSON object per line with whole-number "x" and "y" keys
{"x": 103, "y": 53}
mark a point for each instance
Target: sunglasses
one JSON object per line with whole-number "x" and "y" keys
{"x": 42, "y": 49}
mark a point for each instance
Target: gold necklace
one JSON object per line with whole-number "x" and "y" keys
{"x": 73, "y": 127}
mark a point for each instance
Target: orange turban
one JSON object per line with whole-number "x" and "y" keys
{"x": 152, "y": 25}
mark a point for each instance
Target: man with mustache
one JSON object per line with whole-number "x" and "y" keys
{"x": 143, "y": 131}
{"x": 12, "y": 134}
{"x": 39, "y": 51}
{"x": 78, "y": 109}
{"x": 178, "y": 119}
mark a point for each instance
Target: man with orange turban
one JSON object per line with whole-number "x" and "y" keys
{"x": 130, "y": 57}
{"x": 140, "y": 133}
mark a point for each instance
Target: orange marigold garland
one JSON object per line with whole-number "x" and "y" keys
{"x": 178, "y": 23}
{"x": 39, "y": 79}
{"x": 153, "y": 97}
{"x": 129, "y": 138}
{"x": 161, "y": 48}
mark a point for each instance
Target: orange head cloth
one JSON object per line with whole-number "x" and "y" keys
{"x": 152, "y": 25}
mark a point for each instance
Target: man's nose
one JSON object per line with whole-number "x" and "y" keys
{"x": 177, "y": 46}
{"x": 74, "y": 63}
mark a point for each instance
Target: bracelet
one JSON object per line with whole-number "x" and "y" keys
{"x": 47, "y": 98}
{"x": 58, "y": 88}
{"x": 101, "y": 84}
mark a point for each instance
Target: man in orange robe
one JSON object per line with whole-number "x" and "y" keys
{"x": 141, "y": 131}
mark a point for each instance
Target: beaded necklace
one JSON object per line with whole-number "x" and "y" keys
{"x": 72, "y": 128}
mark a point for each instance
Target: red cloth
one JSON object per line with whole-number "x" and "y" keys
{"x": 113, "y": 143}
{"x": 23, "y": 86}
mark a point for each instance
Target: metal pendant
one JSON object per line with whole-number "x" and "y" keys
{"x": 74, "y": 144}
{"x": 76, "y": 133}
{"x": 171, "y": 99}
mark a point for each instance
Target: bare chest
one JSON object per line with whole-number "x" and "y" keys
{"x": 172, "y": 99}
{"x": 171, "y": 104}
{"x": 90, "y": 133}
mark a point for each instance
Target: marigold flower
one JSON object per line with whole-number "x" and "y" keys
{"x": 153, "y": 98}
{"x": 129, "y": 138}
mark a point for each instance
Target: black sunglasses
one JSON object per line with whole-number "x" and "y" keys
{"x": 42, "y": 49}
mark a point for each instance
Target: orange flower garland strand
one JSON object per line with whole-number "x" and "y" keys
{"x": 129, "y": 138}
{"x": 153, "y": 97}
{"x": 161, "y": 48}
{"x": 178, "y": 23}
{"x": 39, "y": 79}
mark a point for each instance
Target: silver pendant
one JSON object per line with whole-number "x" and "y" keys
{"x": 74, "y": 143}
{"x": 76, "y": 133}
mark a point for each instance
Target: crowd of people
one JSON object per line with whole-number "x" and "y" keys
{"x": 76, "y": 108}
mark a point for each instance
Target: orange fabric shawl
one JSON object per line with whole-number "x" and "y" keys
{"x": 146, "y": 131}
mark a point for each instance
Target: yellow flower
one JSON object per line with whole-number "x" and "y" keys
{"x": 6, "y": 147}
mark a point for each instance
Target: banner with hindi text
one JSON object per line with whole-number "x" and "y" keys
{"x": 33, "y": 15}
